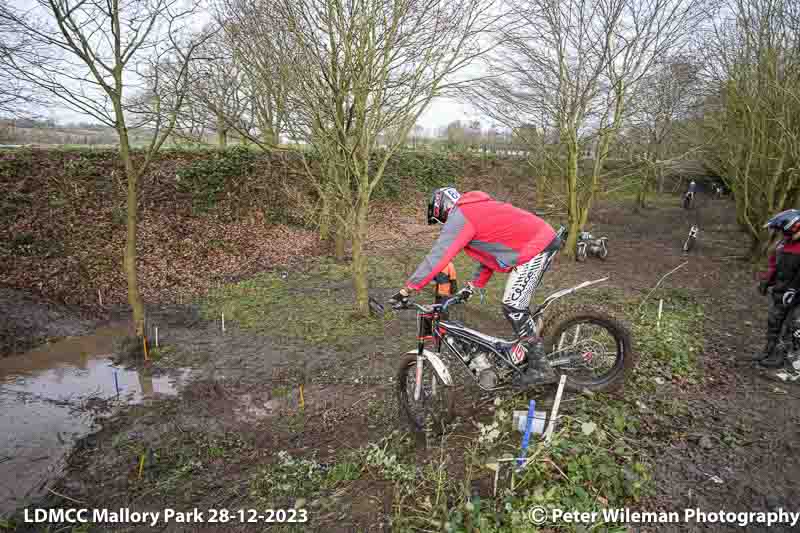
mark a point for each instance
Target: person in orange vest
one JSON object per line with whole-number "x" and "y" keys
{"x": 446, "y": 283}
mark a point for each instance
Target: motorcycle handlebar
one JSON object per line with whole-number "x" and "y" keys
{"x": 453, "y": 300}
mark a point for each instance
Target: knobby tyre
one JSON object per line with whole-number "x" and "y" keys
{"x": 609, "y": 342}
{"x": 435, "y": 408}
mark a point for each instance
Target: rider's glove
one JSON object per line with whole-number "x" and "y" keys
{"x": 400, "y": 299}
{"x": 465, "y": 293}
{"x": 788, "y": 297}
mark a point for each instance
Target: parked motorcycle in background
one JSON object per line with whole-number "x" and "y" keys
{"x": 691, "y": 239}
{"x": 590, "y": 245}
{"x": 688, "y": 200}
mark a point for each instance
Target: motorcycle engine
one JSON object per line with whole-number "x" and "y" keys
{"x": 487, "y": 377}
{"x": 465, "y": 350}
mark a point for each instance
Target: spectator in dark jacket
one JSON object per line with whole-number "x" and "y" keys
{"x": 781, "y": 281}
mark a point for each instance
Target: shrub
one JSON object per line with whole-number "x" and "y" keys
{"x": 206, "y": 178}
{"x": 421, "y": 171}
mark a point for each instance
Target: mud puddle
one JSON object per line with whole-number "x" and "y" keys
{"x": 49, "y": 398}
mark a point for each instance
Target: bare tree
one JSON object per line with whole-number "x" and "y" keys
{"x": 16, "y": 96}
{"x": 364, "y": 68}
{"x": 256, "y": 34}
{"x": 93, "y": 56}
{"x": 753, "y": 109}
{"x": 667, "y": 98}
{"x": 572, "y": 67}
{"x": 219, "y": 99}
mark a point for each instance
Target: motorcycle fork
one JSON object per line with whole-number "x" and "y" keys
{"x": 418, "y": 375}
{"x": 437, "y": 344}
{"x": 418, "y": 380}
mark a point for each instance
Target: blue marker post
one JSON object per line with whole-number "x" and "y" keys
{"x": 527, "y": 436}
{"x": 116, "y": 382}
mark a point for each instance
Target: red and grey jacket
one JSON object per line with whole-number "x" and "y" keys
{"x": 497, "y": 235}
{"x": 784, "y": 267}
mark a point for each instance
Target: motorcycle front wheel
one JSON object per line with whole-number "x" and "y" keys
{"x": 593, "y": 349}
{"x": 434, "y": 409}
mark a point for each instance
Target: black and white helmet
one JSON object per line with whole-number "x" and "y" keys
{"x": 787, "y": 222}
{"x": 441, "y": 203}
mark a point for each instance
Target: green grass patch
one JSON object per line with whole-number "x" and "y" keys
{"x": 591, "y": 463}
{"x": 317, "y": 306}
{"x": 670, "y": 348}
{"x": 287, "y": 477}
{"x": 292, "y": 476}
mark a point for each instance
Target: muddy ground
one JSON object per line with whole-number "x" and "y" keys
{"x": 733, "y": 445}
{"x": 30, "y": 320}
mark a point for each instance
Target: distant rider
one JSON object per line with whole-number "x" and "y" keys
{"x": 783, "y": 278}
{"x": 502, "y": 238}
{"x": 689, "y": 196}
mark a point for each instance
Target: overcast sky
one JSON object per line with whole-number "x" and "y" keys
{"x": 440, "y": 112}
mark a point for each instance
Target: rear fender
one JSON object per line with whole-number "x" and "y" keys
{"x": 438, "y": 365}
{"x": 564, "y": 292}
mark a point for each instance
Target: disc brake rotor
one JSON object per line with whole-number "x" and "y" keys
{"x": 584, "y": 354}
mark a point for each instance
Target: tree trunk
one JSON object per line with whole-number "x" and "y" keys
{"x": 573, "y": 210}
{"x": 339, "y": 242}
{"x": 641, "y": 195}
{"x": 129, "y": 261}
{"x": 222, "y": 132}
{"x": 359, "y": 263}
{"x": 270, "y": 137}
{"x": 541, "y": 183}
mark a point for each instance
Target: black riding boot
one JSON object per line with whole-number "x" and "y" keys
{"x": 775, "y": 317}
{"x": 771, "y": 358}
{"x": 528, "y": 346}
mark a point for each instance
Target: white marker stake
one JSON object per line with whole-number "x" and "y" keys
{"x": 554, "y": 412}
{"x": 156, "y": 336}
{"x": 660, "y": 308}
{"x": 223, "y": 322}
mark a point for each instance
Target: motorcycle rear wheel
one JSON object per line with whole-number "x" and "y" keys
{"x": 609, "y": 334}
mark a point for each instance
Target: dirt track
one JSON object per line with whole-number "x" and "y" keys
{"x": 736, "y": 447}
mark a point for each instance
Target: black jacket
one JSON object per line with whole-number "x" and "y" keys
{"x": 786, "y": 272}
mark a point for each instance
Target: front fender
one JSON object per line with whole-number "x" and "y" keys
{"x": 438, "y": 365}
